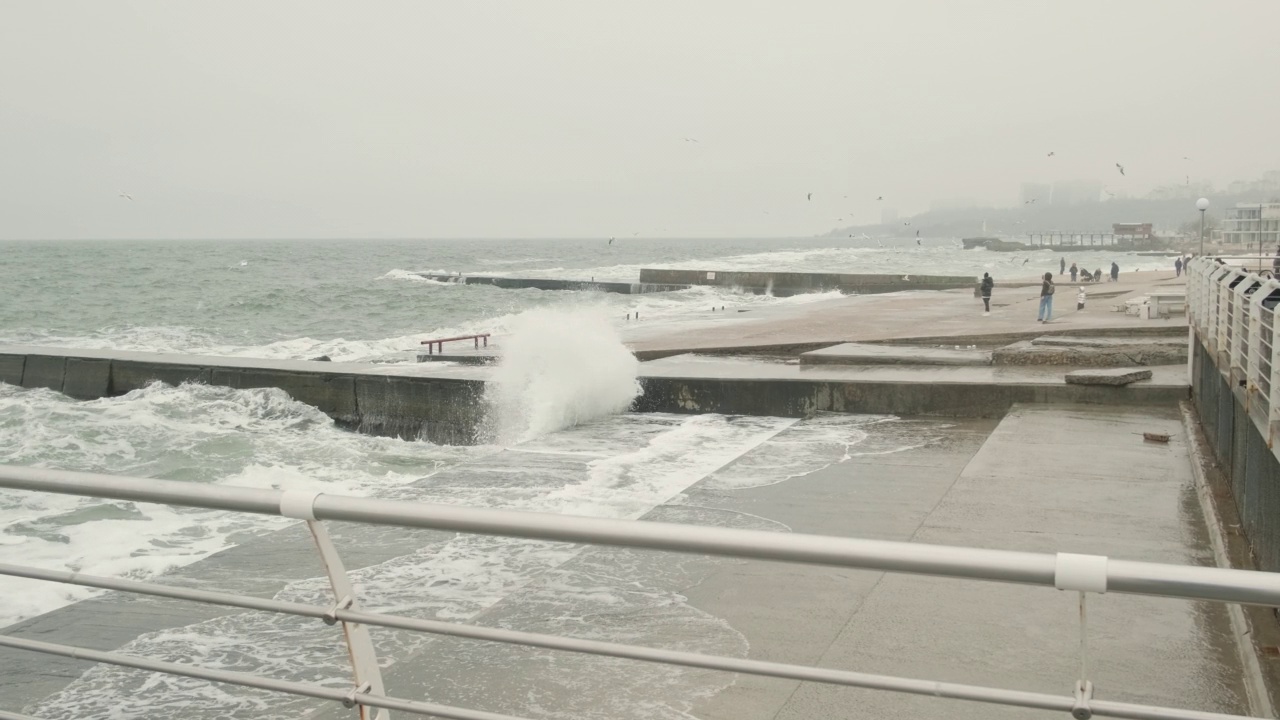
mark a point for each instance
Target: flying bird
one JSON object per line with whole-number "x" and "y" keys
{"x": 808, "y": 196}
{"x": 1030, "y": 201}
{"x": 694, "y": 140}
{"x": 1050, "y": 154}
{"x": 906, "y": 222}
{"x": 1120, "y": 168}
{"x": 610, "y": 241}
{"x": 1024, "y": 262}
{"x": 880, "y": 198}
{"x": 126, "y": 195}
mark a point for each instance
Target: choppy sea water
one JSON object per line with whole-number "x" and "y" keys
{"x": 360, "y": 301}
{"x": 569, "y": 449}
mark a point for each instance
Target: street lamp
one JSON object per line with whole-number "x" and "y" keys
{"x": 1202, "y": 204}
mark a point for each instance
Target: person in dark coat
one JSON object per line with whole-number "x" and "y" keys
{"x": 1046, "y": 299}
{"x": 1062, "y": 265}
{"x": 985, "y": 288}
{"x": 1177, "y": 267}
{"x": 1115, "y": 271}
{"x": 1074, "y": 271}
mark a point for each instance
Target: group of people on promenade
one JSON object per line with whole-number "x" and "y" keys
{"x": 1047, "y": 287}
{"x": 1084, "y": 274}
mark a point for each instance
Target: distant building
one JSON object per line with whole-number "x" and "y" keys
{"x": 1132, "y": 231}
{"x": 1252, "y": 223}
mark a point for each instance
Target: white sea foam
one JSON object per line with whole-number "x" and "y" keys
{"x": 193, "y": 433}
{"x": 558, "y": 369}
{"x": 618, "y": 467}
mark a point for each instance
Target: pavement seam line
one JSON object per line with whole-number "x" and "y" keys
{"x": 870, "y": 591}
{"x": 1254, "y": 683}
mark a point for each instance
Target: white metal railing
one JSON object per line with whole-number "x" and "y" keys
{"x": 1231, "y": 307}
{"x": 1084, "y": 574}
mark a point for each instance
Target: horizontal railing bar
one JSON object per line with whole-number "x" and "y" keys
{"x": 954, "y": 691}
{"x": 1187, "y": 582}
{"x": 763, "y": 668}
{"x": 229, "y": 677}
{"x": 551, "y": 642}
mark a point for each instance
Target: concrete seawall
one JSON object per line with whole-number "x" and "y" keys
{"x": 444, "y": 406}
{"x": 886, "y": 390}
{"x": 796, "y": 283}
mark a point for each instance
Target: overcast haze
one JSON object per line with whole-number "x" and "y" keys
{"x": 548, "y": 119}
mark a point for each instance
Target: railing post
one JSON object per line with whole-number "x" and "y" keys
{"x": 1083, "y": 574}
{"x": 1239, "y": 346}
{"x": 300, "y": 504}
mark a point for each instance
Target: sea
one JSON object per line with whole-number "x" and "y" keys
{"x": 362, "y": 300}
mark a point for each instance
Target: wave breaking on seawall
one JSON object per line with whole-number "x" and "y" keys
{"x": 559, "y": 368}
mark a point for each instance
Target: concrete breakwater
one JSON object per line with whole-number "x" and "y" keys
{"x": 510, "y": 283}
{"x": 784, "y": 284}
{"x": 781, "y": 284}
{"x": 444, "y": 406}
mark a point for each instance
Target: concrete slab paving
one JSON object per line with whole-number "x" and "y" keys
{"x": 1021, "y": 491}
{"x": 1107, "y": 376}
{"x": 911, "y": 315}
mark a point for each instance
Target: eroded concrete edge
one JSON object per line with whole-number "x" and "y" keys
{"x": 1259, "y": 687}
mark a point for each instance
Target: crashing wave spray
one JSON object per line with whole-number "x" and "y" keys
{"x": 559, "y": 368}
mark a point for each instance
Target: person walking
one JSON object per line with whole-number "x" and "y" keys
{"x": 1062, "y": 265}
{"x": 1115, "y": 271}
{"x": 1046, "y": 299}
{"x": 1177, "y": 267}
{"x": 1080, "y": 296}
{"x": 1074, "y": 271}
{"x": 987, "y": 284}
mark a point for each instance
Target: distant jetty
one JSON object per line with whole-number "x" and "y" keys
{"x": 780, "y": 284}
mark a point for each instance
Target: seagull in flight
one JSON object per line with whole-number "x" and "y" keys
{"x": 1051, "y": 154}
{"x": 692, "y": 140}
{"x": 907, "y": 222}
{"x": 1120, "y": 168}
{"x": 1024, "y": 262}
{"x": 880, "y": 198}
{"x": 1032, "y": 200}
{"x": 808, "y": 196}
{"x": 126, "y": 195}
{"x": 611, "y": 241}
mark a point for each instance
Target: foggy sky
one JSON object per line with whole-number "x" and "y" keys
{"x": 252, "y": 119}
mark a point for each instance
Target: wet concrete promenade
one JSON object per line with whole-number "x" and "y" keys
{"x": 1048, "y": 479}
{"x": 950, "y": 316}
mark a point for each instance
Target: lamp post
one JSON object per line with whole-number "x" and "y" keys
{"x": 1202, "y": 204}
